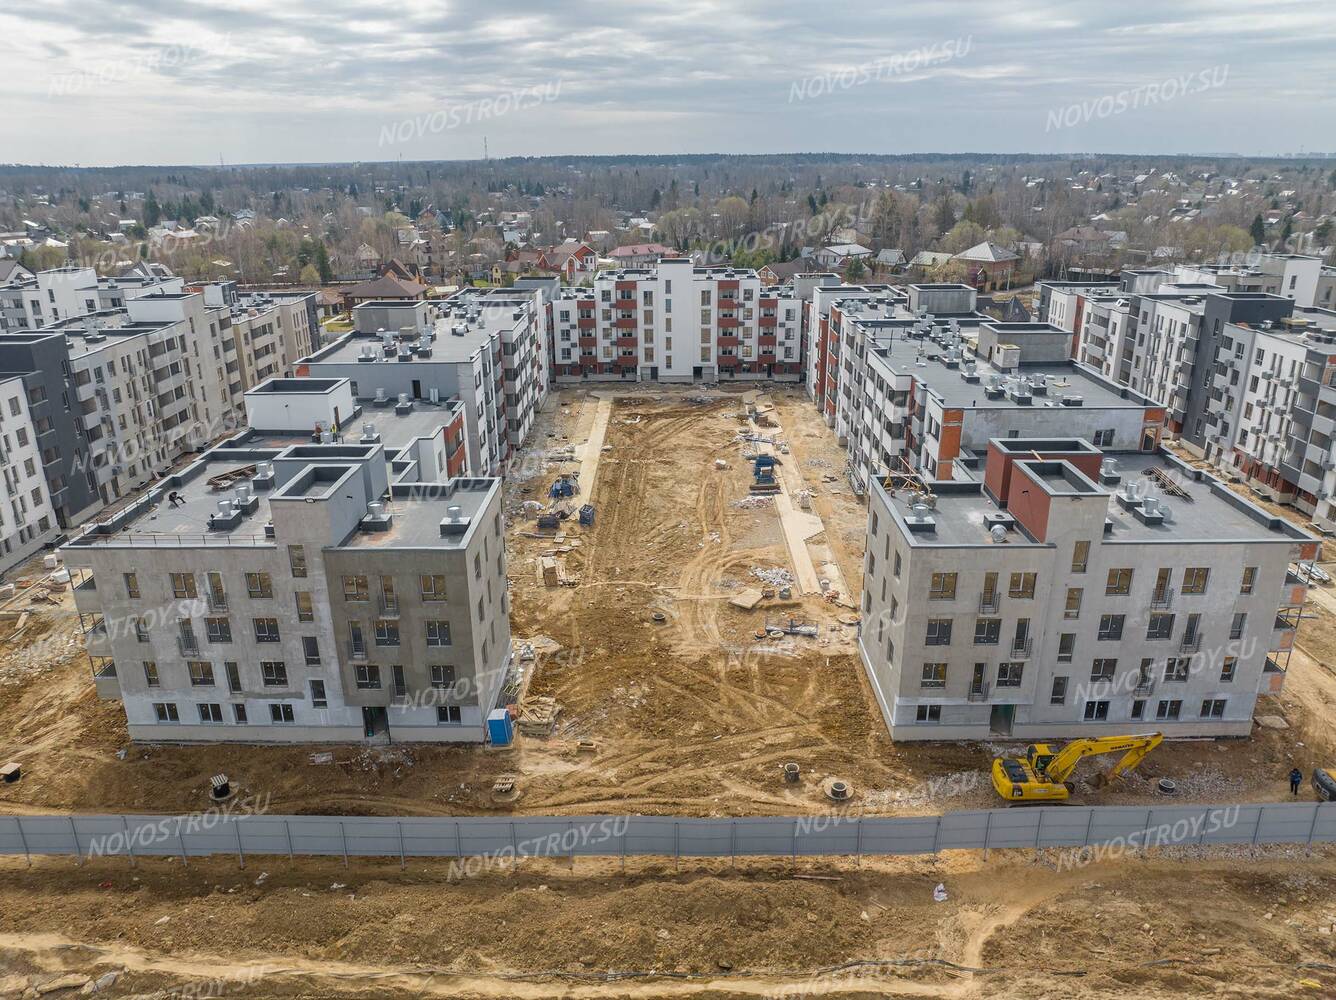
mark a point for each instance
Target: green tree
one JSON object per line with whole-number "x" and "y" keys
{"x": 854, "y": 271}
{"x": 1258, "y": 230}
{"x": 152, "y": 210}
{"x": 322, "y": 264}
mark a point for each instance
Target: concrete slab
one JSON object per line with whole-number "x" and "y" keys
{"x": 591, "y": 451}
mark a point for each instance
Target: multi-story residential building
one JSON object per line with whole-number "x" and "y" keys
{"x": 1073, "y": 593}
{"x": 30, "y": 301}
{"x": 119, "y": 394}
{"x": 485, "y": 348}
{"x": 676, "y": 322}
{"x": 281, "y": 589}
{"x": 918, "y": 381}
{"x": 1272, "y": 408}
{"x": 27, "y": 519}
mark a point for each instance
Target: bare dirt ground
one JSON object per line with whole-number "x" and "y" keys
{"x": 690, "y": 715}
{"x": 1256, "y": 925}
{"x": 693, "y": 715}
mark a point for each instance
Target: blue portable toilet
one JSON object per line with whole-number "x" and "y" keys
{"x": 587, "y": 514}
{"x": 500, "y": 728}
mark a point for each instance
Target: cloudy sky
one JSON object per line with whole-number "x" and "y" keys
{"x": 184, "y": 81}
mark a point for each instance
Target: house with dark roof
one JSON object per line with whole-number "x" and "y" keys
{"x": 387, "y": 286}
{"x": 989, "y": 266}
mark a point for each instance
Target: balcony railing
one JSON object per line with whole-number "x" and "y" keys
{"x": 389, "y": 606}
{"x": 1022, "y": 648}
{"x": 989, "y": 603}
{"x": 978, "y": 692}
{"x": 1144, "y": 686}
{"x": 217, "y": 602}
{"x": 188, "y": 645}
{"x": 1162, "y": 599}
{"x": 1190, "y": 644}
{"x": 357, "y": 651}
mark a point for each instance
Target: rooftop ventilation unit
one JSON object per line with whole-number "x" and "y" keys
{"x": 269, "y": 529}
{"x": 405, "y": 352}
{"x": 264, "y": 476}
{"x": 999, "y": 519}
{"x": 382, "y": 399}
{"x": 405, "y": 404}
{"x": 920, "y": 519}
{"x": 434, "y": 394}
{"x": 1039, "y": 384}
{"x": 227, "y": 517}
{"x": 245, "y": 501}
{"x": 998, "y": 534}
{"x": 1108, "y": 472}
{"x": 377, "y": 518}
{"x": 1019, "y": 393}
{"x": 455, "y": 522}
{"x": 369, "y": 434}
{"x": 1073, "y": 401}
{"x": 367, "y": 354}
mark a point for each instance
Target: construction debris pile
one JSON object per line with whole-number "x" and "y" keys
{"x": 753, "y": 502}
{"x": 538, "y": 717}
{"x": 777, "y": 577}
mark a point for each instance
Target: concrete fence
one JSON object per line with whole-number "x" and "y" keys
{"x": 832, "y": 834}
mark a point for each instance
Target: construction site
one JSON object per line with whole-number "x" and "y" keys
{"x": 684, "y": 572}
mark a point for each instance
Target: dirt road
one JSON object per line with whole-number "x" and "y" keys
{"x": 1009, "y": 928}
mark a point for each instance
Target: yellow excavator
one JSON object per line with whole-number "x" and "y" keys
{"x": 1041, "y": 775}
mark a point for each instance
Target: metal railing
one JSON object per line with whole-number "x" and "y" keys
{"x": 1022, "y": 648}
{"x": 216, "y": 602}
{"x": 989, "y": 603}
{"x": 978, "y": 692}
{"x": 357, "y": 651}
{"x": 1190, "y": 644}
{"x": 188, "y": 645}
{"x": 1162, "y": 599}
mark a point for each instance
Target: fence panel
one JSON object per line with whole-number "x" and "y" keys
{"x": 203, "y": 834}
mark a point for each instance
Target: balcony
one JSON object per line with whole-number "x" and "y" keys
{"x": 990, "y": 602}
{"x": 978, "y": 692}
{"x": 1272, "y": 680}
{"x": 188, "y": 645}
{"x": 356, "y": 652}
{"x": 627, "y": 342}
{"x": 1190, "y": 644}
{"x": 1022, "y": 648}
{"x": 1162, "y": 600}
{"x": 216, "y": 600}
{"x": 106, "y": 682}
{"x": 625, "y": 322}
{"x": 389, "y": 606}
{"x": 727, "y": 340}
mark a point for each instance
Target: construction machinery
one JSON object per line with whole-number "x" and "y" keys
{"x": 1041, "y": 775}
{"x": 763, "y": 472}
{"x": 1324, "y": 783}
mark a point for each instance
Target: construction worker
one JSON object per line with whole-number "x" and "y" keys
{"x": 1296, "y": 776}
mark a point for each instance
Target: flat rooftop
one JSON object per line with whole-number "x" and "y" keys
{"x": 187, "y": 520}
{"x": 396, "y": 430}
{"x": 1208, "y": 511}
{"x": 924, "y": 360}
{"x": 417, "y": 512}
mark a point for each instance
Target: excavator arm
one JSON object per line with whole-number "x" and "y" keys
{"x": 1133, "y": 749}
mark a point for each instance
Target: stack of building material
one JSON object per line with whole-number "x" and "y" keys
{"x": 538, "y": 716}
